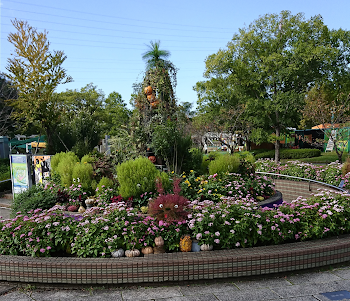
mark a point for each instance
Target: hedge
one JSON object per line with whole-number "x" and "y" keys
{"x": 291, "y": 153}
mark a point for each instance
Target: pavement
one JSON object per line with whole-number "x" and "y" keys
{"x": 5, "y": 206}
{"x": 330, "y": 283}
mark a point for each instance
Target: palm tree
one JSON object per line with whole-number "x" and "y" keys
{"x": 155, "y": 56}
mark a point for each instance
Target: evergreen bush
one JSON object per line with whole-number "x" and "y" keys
{"x": 33, "y": 198}
{"x": 136, "y": 177}
{"x": 291, "y": 153}
{"x": 224, "y": 163}
{"x": 82, "y": 174}
{"x": 106, "y": 183}
{"x": 65, "y": 165}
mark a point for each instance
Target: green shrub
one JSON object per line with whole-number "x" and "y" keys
{"x": 193, "y": 161}
{"x": 33, "y": 198}
{"x": 291, "y": 153}
{"x": 5, "y": 174}
{"x": 64, "y": 166}
{"x": 166, "y": 184}
{"x": 106, "y": 182}
{"x": 87, "y": 159}
{"x": 224, "y": 163}
{"x": 82, "y": 174}
{"x": 136, "y": 177}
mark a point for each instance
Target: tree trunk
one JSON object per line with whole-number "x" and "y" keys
{"x": 277, "y": 145}
{"x": 49, "y": 140}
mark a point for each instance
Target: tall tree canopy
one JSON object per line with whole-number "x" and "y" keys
{"x": 80, "y": 119}
{"x": 35, "y": 72}
{"x": 272, "y": 63}
{"x": 155, "y": 56}
{"x": 7, "y": 91}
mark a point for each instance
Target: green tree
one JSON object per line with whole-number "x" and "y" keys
{"x": 81, "y": 125}
{"x": 331, "y": 115}
{"x": 35, "y": 72}
{"x": 155, "y": 57}
{"x": 272, "y": 63}
{"x": 7, "y": 91}
{"x": 115, "y": 114}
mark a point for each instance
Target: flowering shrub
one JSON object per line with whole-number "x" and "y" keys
{"x": 214, "y": 187}
{"x": 233, "y": 222}
{"x": 330, "y": 174}
{"x": 38, "y": 233}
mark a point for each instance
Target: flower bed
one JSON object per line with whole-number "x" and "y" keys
{"x": 330, "y": 174}
{"x": 231, "y": 223}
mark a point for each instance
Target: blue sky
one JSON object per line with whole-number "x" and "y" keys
{"x": 104, "y": 40}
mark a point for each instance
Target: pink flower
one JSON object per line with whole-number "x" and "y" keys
{"x": 48, "y": 248}
{"x": 217, "y": 241}
{"x": 42, "y": 250}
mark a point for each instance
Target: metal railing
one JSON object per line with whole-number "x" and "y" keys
{"x": 5, "y": 180}
{"x": 302, "y": 179}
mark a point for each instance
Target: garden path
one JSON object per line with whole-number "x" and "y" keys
{"x": 306, "y": 286}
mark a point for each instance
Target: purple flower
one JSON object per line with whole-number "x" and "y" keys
{"x": 217, "y": 241}
{"x": 199, "y": 236}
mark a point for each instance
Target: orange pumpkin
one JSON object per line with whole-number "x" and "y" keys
{"x": 152, "y": 159}
{"x": 154, "y": 104}
{"x": 148, "y": 90}
{"x": 147, "y": 250}
{"x": 151, "y": 97}
{"x": 185, "y": 243}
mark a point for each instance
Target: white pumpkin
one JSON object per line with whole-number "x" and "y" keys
{"x": 132, "y": 253}
{"x": 118, "y": 253}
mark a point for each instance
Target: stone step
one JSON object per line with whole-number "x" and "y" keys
{"x": 5, "y": 203}
{"x": 8, "y": 196}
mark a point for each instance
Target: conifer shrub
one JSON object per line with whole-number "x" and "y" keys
{"x": 82, "y": 174}
{"x": 87, "y": 159}
{"x": 225, "y": 163}
{"x": 136, "y": 177}
{"x": 65, "y": 166}
{"x": 104, "y": 184}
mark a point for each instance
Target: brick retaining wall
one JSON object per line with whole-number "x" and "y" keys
{"x": 177, "y": 266}
{"x": 184, "y": 266}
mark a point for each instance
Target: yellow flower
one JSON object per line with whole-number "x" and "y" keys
{"x": 172, "y": 172}
{"x": 191, "y": 170}
{"x": 184, "y": 176}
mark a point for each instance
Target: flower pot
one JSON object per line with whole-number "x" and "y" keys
{"x": 195, "y": 246}
{"x": 206, "y": 247}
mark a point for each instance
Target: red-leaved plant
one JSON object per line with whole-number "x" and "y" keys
{"x": 169, "y": 207}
